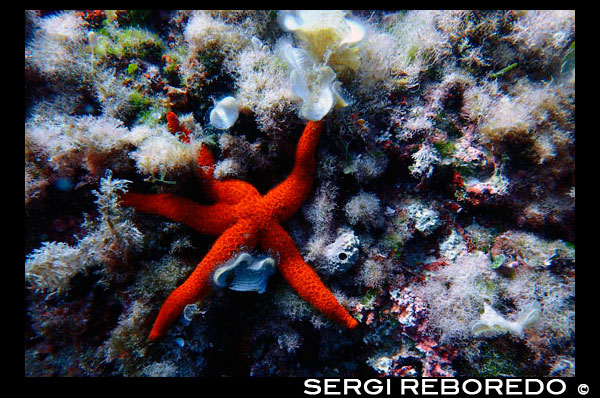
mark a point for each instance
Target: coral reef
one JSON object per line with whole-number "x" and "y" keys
{"x": 440, "y": 218}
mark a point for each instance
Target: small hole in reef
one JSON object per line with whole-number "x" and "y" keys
{"x": 342, "y": 256}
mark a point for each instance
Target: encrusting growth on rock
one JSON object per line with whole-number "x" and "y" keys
{"x": 244, "y": 219}
{"x": 176, "y": 127}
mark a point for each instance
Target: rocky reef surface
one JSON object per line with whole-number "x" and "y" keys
{"x": 442, "y": 213}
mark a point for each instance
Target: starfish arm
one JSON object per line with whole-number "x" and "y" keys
{"x": 241, "y": 236}
{"x": 287, "y": 197}
{"x": 207, "y": 219}
{"x": 228, "y": 191}
{"x": 301, "y": 276}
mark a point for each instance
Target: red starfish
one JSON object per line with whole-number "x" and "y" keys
{"x": 243, "y": 219}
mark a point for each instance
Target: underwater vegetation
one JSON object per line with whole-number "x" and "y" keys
{"x": 325, "y": 193}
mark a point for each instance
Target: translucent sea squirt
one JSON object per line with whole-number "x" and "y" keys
{"x": 225, "y": 113}
{"x": 328, "y": 35}
{"x": 314, "y": 84}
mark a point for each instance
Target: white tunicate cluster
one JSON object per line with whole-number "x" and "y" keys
{"x": 329, "y": 40}
{"x": 492, "y": 324}
{"x": 328, "y": 35}
{"x": 313, "y": 83}
{"x": 225, "y": 113}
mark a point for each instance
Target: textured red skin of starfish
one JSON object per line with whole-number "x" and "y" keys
{"x": 244, "y": 219}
